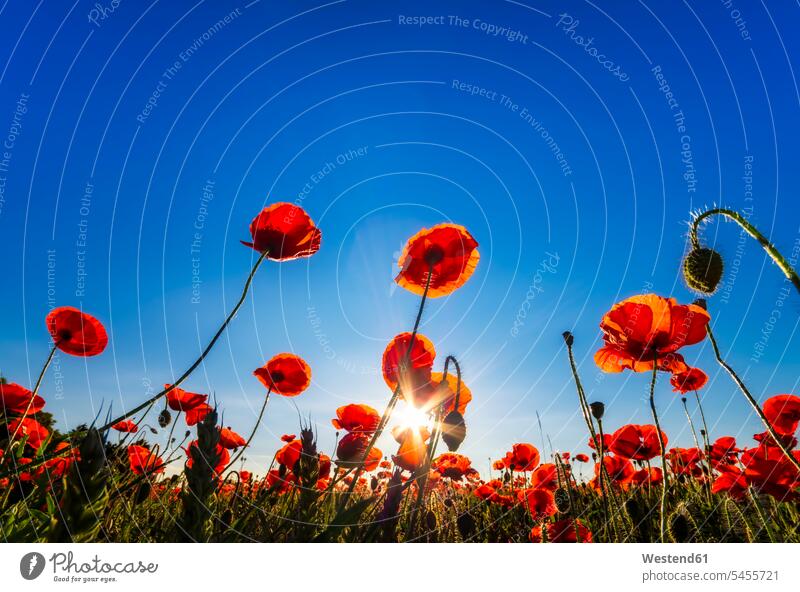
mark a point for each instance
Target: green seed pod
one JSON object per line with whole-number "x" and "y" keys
{"x": 702, "y": 270}
{"x": 454, "y": 430}
{"x": 598, "y": 409}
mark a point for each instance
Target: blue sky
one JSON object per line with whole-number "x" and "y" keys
{"x": 547, "y": 132}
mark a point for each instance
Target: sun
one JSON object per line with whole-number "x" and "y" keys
{"x": 408, "y": 416}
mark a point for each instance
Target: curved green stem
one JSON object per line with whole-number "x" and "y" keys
{"x": 773, "y": 252}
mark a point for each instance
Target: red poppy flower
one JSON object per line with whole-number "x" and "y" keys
{"x": 181, "y": 400}
{"x": 648, "y": 327}
{"x": 783, "y": 412}
{"x": 142, "y": 460}
{"x": 540, "y": 503}
{"x": 499, "y": 465}
{"x": 452, "y": 465}
{"x": 285, "y": 231}
{"x": 723, "y": 451}
{"x": 288, "y": 437}
{"x": 126, "y": 426}
{"x": 771, "y": 473}
{"x": 324, "y": 466}
{"x": 606, "y": 442}
{"x": 732, "y": 482}
{"x": 636, "y": 442}
{"x": 395, "y": 365}
{"x": 197, "y": 414}
{"x": 31, "y": 428}
{"x": 230, "y": 439}
{"x": 545, "y": 476}
{"x": 351, "y": 448}
{"x": 222, "y": 455}
{"x": 654, "y": 476}
{"x": 692, "y": 379}
{"x": 75, "y": 332}
{"x": 522, "y": 458}
{"x": 563, "y": 531}
{"x": 285, "y": 374}
{"x": 289, "y": 454}
{"x": 685, "y": 461}
{"x": 17, "y": 399}
{"x": 356, "y": 418}
{"x": 447, "y": 251}
{"x": 581, "y": 458}
{"x": 56, "y": 468}
{"x": 620, "y": 470}
{"x": 413, "y": 448}
{"x": 446, "y": 393}
{"x": 281, "y": 482}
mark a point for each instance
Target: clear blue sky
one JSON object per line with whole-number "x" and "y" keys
{"x": 546, "y": 132}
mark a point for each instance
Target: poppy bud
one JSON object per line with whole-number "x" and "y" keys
{"x": 466, "y": 525}
{"x": 187, "y": 434}
{"x": 430, "y": 520}
{"x": 448, "y": 503}
{"x": 143, "y": 492}
{"x": 597, "y": 408}
{"x": 164, "y": 418}
{"x": 226, "y": 517}
{"x": 561, "y": 497}
{"x": 702, "y": 270}
{"x": 154, "y": 431}
{"x": 679, "y": 527}
{"x": 373, "y": 484}
{"x": 701, "y": 302}
{"x": 454, "y": 430}
{"x": 683, "y": 399}
{"x": 568, "y": 338}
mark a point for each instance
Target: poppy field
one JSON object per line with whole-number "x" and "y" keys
{"x": 110, "y": 481}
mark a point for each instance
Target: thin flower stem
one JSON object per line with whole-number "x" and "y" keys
{"x": 750, "y": 399}
{"x": 706, "y": 435}
{"x": 395, "y": 395}
{"x": 252, "y": 434}
{"x": 203, "y": 355}
{"x": 774, "y": 254}
{"x": 691, "y": 423}
{"x": 35, "y": 391}
{"x": 664, "y": 479}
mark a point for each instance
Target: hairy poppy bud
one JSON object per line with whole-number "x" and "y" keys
{"x": 561, "y": 497}
{"x": 143, "y": 493}
{"x": 466, "y": 525}
{"x": 430, "y": 520}
{"x": 597, "y": 408}
{"x": 164, "y": 418}
{"x": 568, "y": 338}
{"x": 679, "y": 527}
{"x": 373, "y": 484}
{"x": 454, "y": 430}
{"x": 702, "y": 270}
